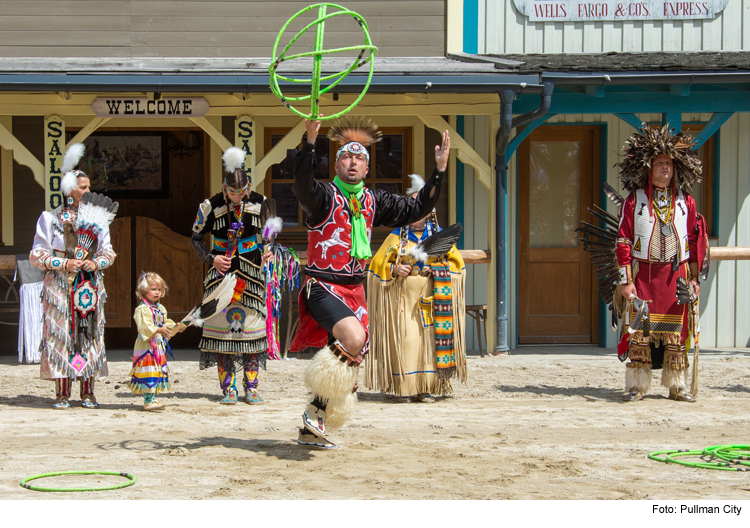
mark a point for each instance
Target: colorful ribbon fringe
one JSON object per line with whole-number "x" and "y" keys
{"x": 281, "y": 273}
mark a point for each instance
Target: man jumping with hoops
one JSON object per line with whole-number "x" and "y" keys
{"x": 332, "y": 305}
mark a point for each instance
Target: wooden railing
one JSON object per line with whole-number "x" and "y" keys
{"x": 478, "y": 256}
{"x": 470, "y": 256}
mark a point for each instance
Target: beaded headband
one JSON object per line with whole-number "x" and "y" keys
{"x": 355, "y": 148}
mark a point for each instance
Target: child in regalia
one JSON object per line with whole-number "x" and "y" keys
{"x": 150, "y": 374}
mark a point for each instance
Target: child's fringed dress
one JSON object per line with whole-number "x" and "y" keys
{"x": 150, "y": 373}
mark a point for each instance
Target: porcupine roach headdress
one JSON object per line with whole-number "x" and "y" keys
{"x": 642, "y": 147}
{"x": 354, "y": 130}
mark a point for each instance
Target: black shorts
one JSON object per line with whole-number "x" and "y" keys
{"x": 326, "y": 309}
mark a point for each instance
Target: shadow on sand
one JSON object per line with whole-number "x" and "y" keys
{"x": 280, "y": 449}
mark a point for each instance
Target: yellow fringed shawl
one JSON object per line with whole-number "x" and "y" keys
{"x": 402, "y": 357}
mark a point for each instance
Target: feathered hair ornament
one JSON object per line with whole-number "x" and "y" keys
{"x": 354, "y": 129}
{"x": 641, "y": 149}
{"x": 73, "y": 155}
{"x": 417, "y": 182}
{"x": 234, "y": 158}
{"x": 272, "y": 228}
{"x": 273, "y": 224}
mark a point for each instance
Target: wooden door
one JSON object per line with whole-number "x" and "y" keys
{"x": 119, "y": 310}
{"x": 558, "y": 172}
{"x": 169, "y": 254}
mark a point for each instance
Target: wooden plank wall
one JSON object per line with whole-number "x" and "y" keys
{"x": 206, "y": 28}
{"x": 28, "y": 196}
{"x": 725, "y": 296}
{"x": 476, "y": 214}
{"x": 502, "y": 30}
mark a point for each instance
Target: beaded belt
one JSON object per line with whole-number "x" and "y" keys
{"x": 244, "y": 245}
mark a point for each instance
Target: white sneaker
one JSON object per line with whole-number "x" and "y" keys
{"x": 306, "y": 438}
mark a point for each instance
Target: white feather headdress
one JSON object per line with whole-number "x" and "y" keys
{"x": 417, "y": 182}
{"x": 70, "y": 177}
{"x": 234, "y": 158}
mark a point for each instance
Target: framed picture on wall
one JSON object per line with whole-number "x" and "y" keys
{"x": 127, "y": 164}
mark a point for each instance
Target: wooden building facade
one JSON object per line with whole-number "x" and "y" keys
{"x": 606, "y": 76}
{"x": 114, "y": 74}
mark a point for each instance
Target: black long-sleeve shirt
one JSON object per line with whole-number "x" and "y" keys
{"x": 391, "y": 209}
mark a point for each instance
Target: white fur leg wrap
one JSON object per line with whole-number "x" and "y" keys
{"x": 638, "y": 379}
{"x": 332, "y": 381}
{"x": 674, "y": 378}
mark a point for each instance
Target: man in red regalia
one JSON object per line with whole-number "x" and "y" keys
{"x": 661, "y": 238}
{"x": 332, "y": 305}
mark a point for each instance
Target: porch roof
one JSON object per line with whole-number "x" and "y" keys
{"x": 651, "y": 62}
{"x": 391, "y": 75}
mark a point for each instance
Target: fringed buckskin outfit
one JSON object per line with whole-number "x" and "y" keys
{"x": 67, "y": 336}
{"x": 661, "y": 238}
{"x": 417, "y": 328}
{"x": 234, "y": 339}
{"x": 334, "y": 276}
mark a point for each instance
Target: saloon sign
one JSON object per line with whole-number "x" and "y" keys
{"x": 583, "y": 10}
{"x": 145, "y": 107}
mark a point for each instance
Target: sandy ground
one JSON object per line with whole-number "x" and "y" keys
{"x": 544, "y": 423}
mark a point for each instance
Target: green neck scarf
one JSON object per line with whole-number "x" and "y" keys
{"x": 360, "y": 242}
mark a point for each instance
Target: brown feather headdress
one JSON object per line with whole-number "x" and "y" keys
{"x": 354, "y": 129}
{"x": 642, "y": 147}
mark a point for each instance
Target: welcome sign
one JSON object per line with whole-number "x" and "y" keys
{"x": 583, "y": 10}
{"x": 145, "y": 107}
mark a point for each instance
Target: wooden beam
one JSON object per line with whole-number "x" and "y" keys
{"x": 278, "y": 152}
{"x": 523, "y": 134}
{"x": 22, "y": 155}
{"x": 594, "y": 91}
{"x": 631, "y": 119}
{"x": 681, "y": 90}
{"x": 417, "y": 152}
{"x": 212, "y": 131}
{"x": 470, "y": 256}
{"x": 465, "y": 153}
{"x": 729, "y": 253}
{"x": 263, "y": 105}
{"x": 6, "y": 170}
{"x": 673, "y": 119}
{"x": 87, "y": 130}
{"x": 713, "y": 125}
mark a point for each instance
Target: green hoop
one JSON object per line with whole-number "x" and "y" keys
{"x": 723, "y": 457}
{"x": 129, "y": 476}
{"x": 317, "y": 56}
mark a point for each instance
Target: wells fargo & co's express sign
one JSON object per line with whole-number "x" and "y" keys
{"x": 583, "y": 10}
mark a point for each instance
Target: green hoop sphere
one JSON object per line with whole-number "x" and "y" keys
{"x": 129, "y": 476}
{"x": 317, "y": 55}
